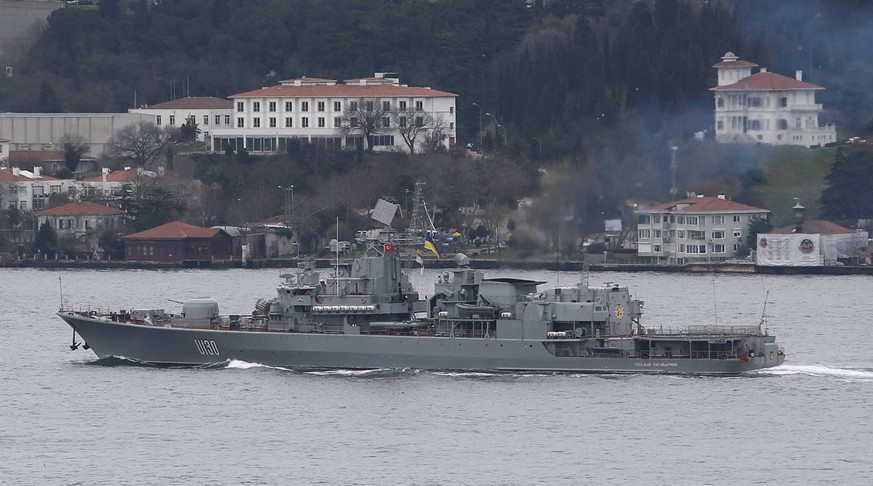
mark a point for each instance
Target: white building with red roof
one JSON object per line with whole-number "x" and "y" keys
{"x": 30, "y": 190}
{"x": 321, "y": 111}
{"x": 766, "y": 107}
{"x": 110, "y": 184}
{"x": 694, "y": 229}
{"x": 81, "y": 222}
{"x": 207, "y": 112}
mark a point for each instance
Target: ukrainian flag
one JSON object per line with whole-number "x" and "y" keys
{"x": 431, "y": 246}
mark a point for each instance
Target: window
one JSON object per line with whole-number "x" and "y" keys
{"x": 206, "y": 119}
{"x": 738, "y": 233}
{"x": 718, "y": 220}
{"x": 719, "y": 102}
{"x": 386, "y": 106}
{"x": 321, "y": 122}
{"x": 386, "y": 122}
{"x": 718, "y": 248}
{"x": 657, "y": 233}
{"x": 783, "y": 102}
{"x": 419, "y": 121}
{"x": 696, "y": 235}
{"x": 736, "y": 247}
{"x": 419, "y": 106}
{"x": 664, "y": 218}
{"x": 691, "y": 220}
{"x": 754, "y": 102}
{"x": 320, "y": 106}
{"x": 218, "y": 119}
{"x": 402, "y": 106}
{"x": 383, "y": 140}
{"x": 657, "y": 248}
{"x": 353, "y": 122}
{"x": 718, "y": 234}
{"x": 682, "y": 248}
{"x": 172, "y": 119}
{"x": 272, "y": 106}
{"x": 353, "y": 106}
{"x": 272, "y": 122}
{"x": 289, "y": 122}
{"x": 289, "y": 106}
{"x": 644, "y": 219}
{"x": 754, "y": 124}
{"x": 227, "y": 119}
{"x": 256, "y": 106}
{"x": 720, "y": 124}
{"x": 680, "y": 234}
{"x": 644, "y": 233}
{"x": 737, "y": 218}
{"x": 158, "y": 119}
{"x": 337, "y": 122}
{"x": 240, "y": 122}
{"x": 451, "y": 110}
{"x": 256, "y": 123}
{"x": 402, "y": 122}
{"x": 239, "y": 107}
{"x": 337, "y": 106}
{"x": 369, "y": 106}
{"x": 304, "y": 106}
{"x": 304, "y": 122}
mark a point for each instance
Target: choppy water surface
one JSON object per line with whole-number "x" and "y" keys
{"x": 68, "y": 418}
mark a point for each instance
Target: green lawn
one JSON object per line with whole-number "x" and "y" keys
{"x": 794, "y": 172}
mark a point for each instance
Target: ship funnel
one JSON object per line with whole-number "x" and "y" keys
{"x": 462, "y": 260}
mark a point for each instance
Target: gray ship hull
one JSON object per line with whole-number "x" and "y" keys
{"x": 182, "y": 346}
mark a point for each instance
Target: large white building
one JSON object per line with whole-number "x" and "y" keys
{"x": 207, "y": 112}
{"x": 766, "y": 107}
{"x": 694, "y": 229}
{"x": 324, "y": 111}
{"x": 46, "y": 131}
{"x": 30, "y": 190}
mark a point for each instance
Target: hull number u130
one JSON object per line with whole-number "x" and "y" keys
{"x": 207, "y": 347}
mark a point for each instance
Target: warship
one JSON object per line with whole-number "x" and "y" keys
{"x": 364, "y": 313}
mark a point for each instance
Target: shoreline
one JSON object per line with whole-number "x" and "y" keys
{"x": 479, "y": 264}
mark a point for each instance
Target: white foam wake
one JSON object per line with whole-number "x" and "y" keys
{"x": 245, "y": 365}
{"x": 854, "y": 374}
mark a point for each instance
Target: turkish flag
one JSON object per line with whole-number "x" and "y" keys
{"x": 390, "y": 247}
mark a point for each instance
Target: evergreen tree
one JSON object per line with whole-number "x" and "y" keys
{"x": 849, "y": 195}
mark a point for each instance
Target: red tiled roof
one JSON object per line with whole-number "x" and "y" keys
{"x": 7, "y": 175}
{"x": 194, "y": 103}
{"x": 815, "y": 227}
{"x": 342, "y": 90}
{"x": 174, "y": 230}
{"x": 126, "y": 175}
{"x": 78, "y": 209}
{"x": 705, "y": 204}
{"x": 739, "y": 63}
{"x": 766, "y": 81}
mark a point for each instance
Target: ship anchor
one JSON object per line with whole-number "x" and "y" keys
{"x": 75, "y": 345}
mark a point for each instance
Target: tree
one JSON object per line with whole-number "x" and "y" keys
{"x": 757, "y": 226}
{"x": 849, "y": 195}
{"x": 74, "y": 148}
{"x": 47, "y": 239}
{"x": 139, "y": 143}
{"x": 411, "y": 124}
{"x": 367, "y": 117}
{"x": 189, "y": 131}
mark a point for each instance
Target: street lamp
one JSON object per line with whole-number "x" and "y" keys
{"x": 496, "y": 126}
{"x": 479, "y": 148}
{"x": 406, "y": 207}
{"x": 289, "y": 202}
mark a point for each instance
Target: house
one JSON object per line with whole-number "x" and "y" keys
{"x": 333, "y": 113}
{"x": 80, "y": 224}
{"x": 110, "y": 184}
{"x": 809, "y": 243}
{"x": 766, "y": 107}
{"x": 50, "y": 161}
{"x": 30, "y": 190}
{"x": 207, "y": 112}
{"x": 46, "y": 131}
{"x": 176, "y": 242}
{"x": 694, "y": 229}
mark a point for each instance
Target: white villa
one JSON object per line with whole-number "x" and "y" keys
{"x": 207, "y": 112}
{"x": 323, "y": 111}
{"x": 766, "y": 107}
{"x": 694, "y": 229}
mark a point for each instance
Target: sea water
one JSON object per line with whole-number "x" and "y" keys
{"x": 68, "y": 418}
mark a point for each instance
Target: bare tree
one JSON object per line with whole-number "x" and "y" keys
{"x": 412, "y": 124}
{"x": 74, "y": 148}
{"x": 140, "y": 143}
{"x": 367, "y": 117}
{"x": 436, "y": 134}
